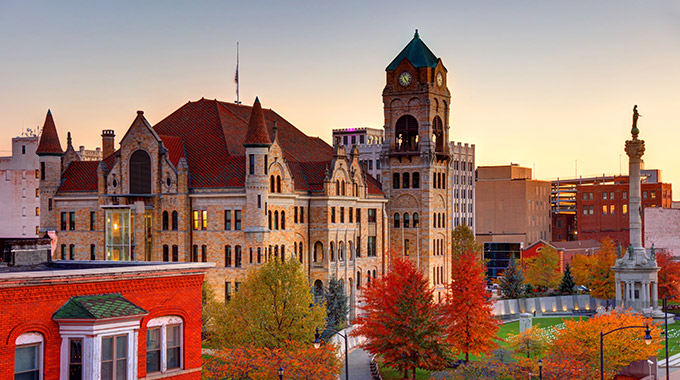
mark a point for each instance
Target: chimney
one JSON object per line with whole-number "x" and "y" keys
{"x": 108, "y": 135}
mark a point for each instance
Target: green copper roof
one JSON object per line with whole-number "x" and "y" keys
{"x": 417, "y": 53}
{"x": 98, "y": 307}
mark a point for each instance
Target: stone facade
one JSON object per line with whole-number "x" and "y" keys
{"x": 19, "y": 189}
{"x": 662, "y": 229}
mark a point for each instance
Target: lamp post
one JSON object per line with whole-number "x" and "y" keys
{"x": 280, "y": 373}
{"x": 317, "y": 344}
{"x": 540, "y": 369}
{"x": 648, "y": 340}
{"x": 665, "y": 322}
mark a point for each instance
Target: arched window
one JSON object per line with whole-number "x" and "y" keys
{"x": 174, "y": 221}
{"x": 140, "y": 173}
{"x": 276, "y": 220}
{"x": 406, "y": 220}
{"x": 415, "y": 220}
{"x": 341, "y": 251}
{"x": 406, "y": 134}
{"x": 332, "y": 252}
{"x": 434, "y": 220}
{"x": 434, "y": 180}
{"x": 300, "y": 253}
{"x": 396, "y": 220}
{"x": 318, "y": 289}
{"x": 443, "y": 180}
{"x": 227, "y": 256}
{"x": 28, "y": 356}
{"x": 374, "y": 273}
{"x": 438, "y": 134}
{"x": 271, "y": 184}
{"x": 337, "y": 187}
{"x": 165, "y": 220}
{"x": 163, "y": 344}
{"x": 416, "y": 180}
{"x": 318, "y": 252}
{"x": 406, "y": 183}
{"x": 283, "y": 253}
{"x": 283, "y": 220}
{"x": 342, "y": 187}
{"x": 259, "y": 255}
{"x": 251, "y": 256}
{"x": 395, "y": 180}
{"x": 270, "y": 220}
{"x": 237, "y": 256}
{"x": 368, "y": 277}
{"x": 166, "y": 252}
{"x": 278, "y": 184}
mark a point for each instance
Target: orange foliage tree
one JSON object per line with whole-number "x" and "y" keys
{"x": 470, "y": 326}
{"x": 298, "y": 360}
{"x": 669, "y": 276}
{"x": 575, "y": 351}
{"x": 399, "y": 320}
{"x": 595, "y": 271}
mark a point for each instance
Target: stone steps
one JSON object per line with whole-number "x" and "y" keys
{"x": 674, "y": 362}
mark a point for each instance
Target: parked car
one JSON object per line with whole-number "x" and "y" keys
{"x": 582, "y": 288}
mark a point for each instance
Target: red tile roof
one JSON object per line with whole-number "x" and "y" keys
{"x": 374, "y": 186}
{"x": 175, "y": 147}
{"x": 257, "y": 134}
{"x": 49, "y": 139}
{"x": 79, "y": 176}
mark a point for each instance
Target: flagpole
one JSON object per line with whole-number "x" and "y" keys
{"x": 238, "y": 100}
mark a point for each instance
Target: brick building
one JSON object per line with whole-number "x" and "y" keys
{"x": 97, "y": 320}
{"x": 602, "y": 208}
{"x": 216, "y": 182}
{"x": 662, "y": 229}
{"x": 19, "y": 191}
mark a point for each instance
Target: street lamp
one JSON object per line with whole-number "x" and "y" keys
{"x": 317, "y": 344}
{"x": 648, "y": 340}
{"x": 540, "y": 369}
{"x": 280, "y": 373}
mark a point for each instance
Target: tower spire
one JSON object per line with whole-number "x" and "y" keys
{"x": 49, "y": 139}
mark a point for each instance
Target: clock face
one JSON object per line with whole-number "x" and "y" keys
{"x": 405, "y": 78}
{"x": 440, "y": 79}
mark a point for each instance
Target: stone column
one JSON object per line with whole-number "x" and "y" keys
{"x": 635, "y": 149}
{"x": 618, "y": 293}
{"x": 655, "y": 300}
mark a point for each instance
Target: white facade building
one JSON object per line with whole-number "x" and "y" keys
{"x": 19, "y": 183}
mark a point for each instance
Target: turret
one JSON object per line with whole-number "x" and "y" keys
{"x": 257, "y": 144}
{"x": 50, "y": 153}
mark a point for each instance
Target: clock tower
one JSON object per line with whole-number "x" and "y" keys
{"x": 416, "y": 161}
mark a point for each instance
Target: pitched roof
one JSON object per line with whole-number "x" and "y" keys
{"x": 374, "y": 186}
{"x": 221, "y": 162}
{"x": 417, "y": 53}
{"x": 175, "y": 147}
{"x": 257, "y": 134}
{"x": 49, "y": 139}
{"x": 98, "y": 307}
{"x": 79, "y": 176}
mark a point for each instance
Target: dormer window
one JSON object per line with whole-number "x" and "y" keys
{"x": 140, "y": 173}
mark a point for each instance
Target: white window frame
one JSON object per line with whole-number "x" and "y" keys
{"x": 31, "y": 339}
{"x": 163, "y": 322}
{"x": 92, "y": 332}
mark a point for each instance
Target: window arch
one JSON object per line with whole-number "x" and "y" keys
{"x": 415, "y": 220}
{"x": 29, "y": 352}
{"x": 406, "y": 134}
{"x": 406, "y": 220}
{"x": 165, "y": 221}
{"x": 174, "y": 221}
{"x": 438, "y": 134}
{"x": 140, "y": 173}
{"x": 341, "y": 251}
{"x": 278, "y": 184}
{"x": 318, "y": 252}
{"x": 396, "y": 220}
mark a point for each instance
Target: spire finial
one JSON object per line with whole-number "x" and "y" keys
{"x": 416, "y": 35}
{"x": 68, "y": 139}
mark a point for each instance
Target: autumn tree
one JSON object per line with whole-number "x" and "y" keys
{"x": 567, "y": 284}
{"x": 530, "y": 342}
{"x": 602, "y": 274}
{"x": 462, "y": 241}
{"x": 581, "y": 266}
{"x": 299, "y": 360}
{"x": 207, "y": 304}
{"x": 273, "y": 306}
{"x": 470, "y": 326}
{"x": 511, "y": 281}
{"x": 400, "y": 321}
{"x": 575, "y": 351}
{"x": 669, "y": 276}
{"x": 543, "y": 270}
{"x": 337, "y": 307}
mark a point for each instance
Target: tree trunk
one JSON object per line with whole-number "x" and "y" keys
{"x": 405, "y": 373}
{"x": 414, "y": 373}
{"x": 467, "y": 357}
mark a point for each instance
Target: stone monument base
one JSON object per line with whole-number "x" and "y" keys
{"x": 658, "y": 316}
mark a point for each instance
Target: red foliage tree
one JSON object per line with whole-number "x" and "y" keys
{"x": 471, "y": 328}
{"x": 400, "y": 321}
{"x": 669, "y": 276}
{"x": 298, "y": 360}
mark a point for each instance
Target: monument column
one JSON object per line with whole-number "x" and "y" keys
{"x": 618, "y": 292}
{"x": 655, "y": 299}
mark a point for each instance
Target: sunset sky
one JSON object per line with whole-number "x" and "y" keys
{"x": 546, "y": 84}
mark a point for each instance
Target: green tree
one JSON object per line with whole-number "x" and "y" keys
{"x": 567, "y": 284}
{"x": 542, "y": 271}
{"x": 463, "y": 241}
{"x": 512, "y": 280}
{"x": 337, "y": 307}
{"x": 273, "y": 306}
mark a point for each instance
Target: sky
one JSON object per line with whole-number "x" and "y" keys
{"x": 546, "y": 84}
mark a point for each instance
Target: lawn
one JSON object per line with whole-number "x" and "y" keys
{"x": 512, "y": 328}
{"x": 388, "y": 373}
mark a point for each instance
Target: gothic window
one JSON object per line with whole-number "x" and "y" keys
{"x": 406, "y": 133}
{"x": 342, "y": 187}
{"x": 165, "y": 220}
{"x": 396, "y": 220}
{"x": 406, "y": 220}
{"x": 174, "y": 221}
{"x": 271, "y": 184}
{"x": 278, "y": 184}
{"x": 237, "y": 256}
{"x": 332, "y": 252}
{"x": 318, "y": 252}
{"x": 337, "y": 187}
{"x": 140, "y": 173}
{"x": 415, "y": 220}
{"x": 438, "y": 134}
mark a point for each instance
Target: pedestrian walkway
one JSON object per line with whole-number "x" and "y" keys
{"x": 359, "y": 365}
{"x": 674, "y": 362}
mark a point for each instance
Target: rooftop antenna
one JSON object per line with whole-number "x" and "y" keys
{"x": 238, "y": 99}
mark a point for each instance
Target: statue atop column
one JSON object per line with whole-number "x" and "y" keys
{"x": 635, "y": 131}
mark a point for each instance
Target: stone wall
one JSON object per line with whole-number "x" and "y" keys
{"x": 546, "y": 305}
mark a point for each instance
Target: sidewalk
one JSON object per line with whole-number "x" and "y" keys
{"x": 359, "y": 365}
{"x": 674, "y": 369}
